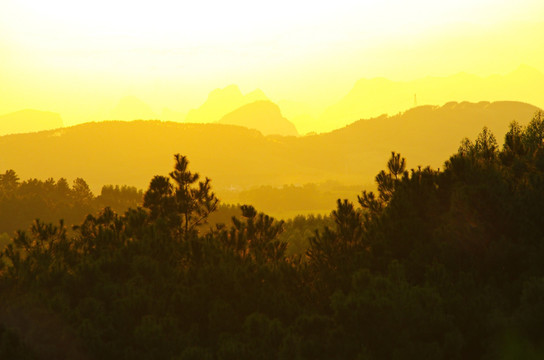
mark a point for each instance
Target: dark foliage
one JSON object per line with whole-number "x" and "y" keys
{"x": 435, "y": 265}
{"x": 21, "y": 202}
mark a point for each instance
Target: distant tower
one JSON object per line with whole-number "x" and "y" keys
{"x": 415, "y": 100}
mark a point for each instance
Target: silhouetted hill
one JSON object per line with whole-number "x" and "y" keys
{"x": 426, "y": 134}
{"x": 29, "y": 120}
{"x": 221, "y": 102}
{"x": 234, "y": 157}
{"x": 373, "y": 97}
{"x": 262, "y": 115}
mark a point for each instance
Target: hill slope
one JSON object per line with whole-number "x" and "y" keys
{"x": 132, "y": 152}
{"x": 373, "y": 97}
{"x": 221, "y": 102}
{"x": 262, "y": 115}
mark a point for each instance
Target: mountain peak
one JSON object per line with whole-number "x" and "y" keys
{"x": 255, "y": 95}
{"x": 221, "y": 102}
{"x": 262, "y": 115}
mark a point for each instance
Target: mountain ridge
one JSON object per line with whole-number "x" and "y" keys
{"x": 372, "y": 97}
{"x": 222, "y": 101}
{"x": 130, "y": 153}
{"x": 262, "y": 115}
{"x": 29, "y": 120}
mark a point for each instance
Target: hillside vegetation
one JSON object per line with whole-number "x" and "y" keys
{"x": 238, "y": 158}
{"x": 437, "y": 263}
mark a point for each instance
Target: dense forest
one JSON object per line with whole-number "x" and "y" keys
{"x": 436, "y": 264}
{"x": 23, "y": 201}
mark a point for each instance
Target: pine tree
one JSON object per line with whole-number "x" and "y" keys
{"x": 186, "y": 203}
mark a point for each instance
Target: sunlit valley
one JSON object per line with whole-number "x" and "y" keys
{"x": 290, "y": 181}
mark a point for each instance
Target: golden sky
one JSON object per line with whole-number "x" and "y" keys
{"x": 79, "y": 58}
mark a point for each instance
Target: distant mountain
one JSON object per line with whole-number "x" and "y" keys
{"x": 373, "y": 97}
{"x": 130, "y": 153}
{"x": 221, "y": 102}
{"x": 29, "y": 120}
{"x": 261, "y": 115}
{"x": 301, "y": 114}
{"x": 132, "y": 108}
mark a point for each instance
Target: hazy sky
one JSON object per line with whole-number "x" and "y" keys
{"x": 79, "y": 58}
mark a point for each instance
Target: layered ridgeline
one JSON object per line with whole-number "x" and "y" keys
{"x": 262, "y": 115}
{"x": 367, "y": 98}
{"x": 238, "y": 158}
{"x": 221, "y": 102}
{"x": 224, "y": 106}
{"x": 29, "y": 120}
{"x": 373, "y": 97}
{"x": 436, "y": 264}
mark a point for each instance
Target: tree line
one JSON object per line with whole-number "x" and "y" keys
{"x": 23, "y": 201}
{"x": 437, "y": 263}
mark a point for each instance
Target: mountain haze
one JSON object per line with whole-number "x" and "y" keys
{"x": 374, "y": 97}
{"x": 221, "y": 102}
{"x": 132, "y": 108}
{"x": 302, "y": 114}
{"x": 367, "y": 98}
{"x": 262, "y": 115}
{"x": 235, "y": 157}
{"x": 29, "y": 121}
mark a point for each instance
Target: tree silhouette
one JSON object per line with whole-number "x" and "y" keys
{"x": 81, "y": 190}
{"x": 486, "y": 144}
{"x": 185, "y": 203}
{"x": 533, "y": 137}
{"x": 386, "y": 182}
{"x": 159, "y": 197}
{"x": 445, "y": 264}
{"x": 485, "y": 147}
{"x": 396, "y": 165}
{"x": 512, "y": 139}
{"x": 9, "y": 181}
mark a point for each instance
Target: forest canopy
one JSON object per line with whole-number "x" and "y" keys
{"x": 437, "y": 263}
{"x": 23, "y": 201}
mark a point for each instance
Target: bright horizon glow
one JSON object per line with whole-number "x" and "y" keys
{"x": 80, "y": 59}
